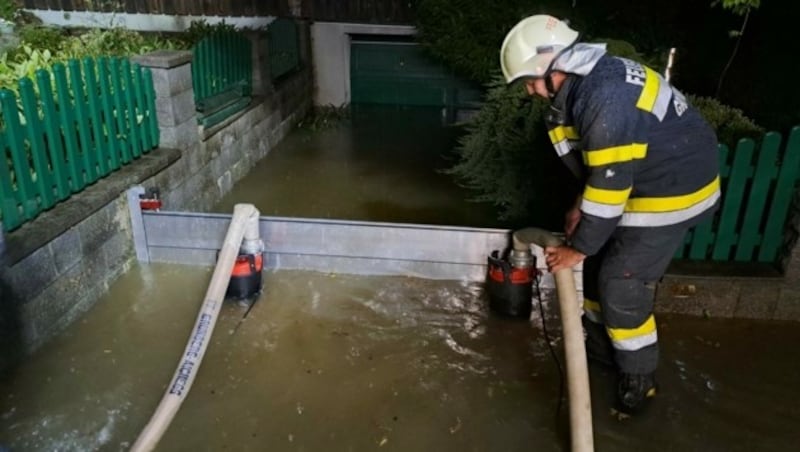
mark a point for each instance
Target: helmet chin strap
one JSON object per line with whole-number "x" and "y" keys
{"x": 548, "y": 74}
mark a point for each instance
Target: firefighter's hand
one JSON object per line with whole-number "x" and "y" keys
{"x": 561, "y": 257}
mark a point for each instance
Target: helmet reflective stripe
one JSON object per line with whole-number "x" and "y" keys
{"x": 531, "y": 45}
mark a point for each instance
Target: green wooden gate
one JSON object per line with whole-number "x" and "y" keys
{"x": 399, "y": 73}
{"x": 757, "y": 195}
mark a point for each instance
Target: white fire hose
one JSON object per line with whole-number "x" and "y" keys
{"x": 244, "y": 225}
{"x": 580, "y": 404}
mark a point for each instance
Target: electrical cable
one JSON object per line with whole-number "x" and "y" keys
{"x": 550, "y": 346}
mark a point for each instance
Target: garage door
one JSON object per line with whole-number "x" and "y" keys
{"x": 400, "y": 73}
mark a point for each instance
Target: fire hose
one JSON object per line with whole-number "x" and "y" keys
{"x": 580, "y": 405}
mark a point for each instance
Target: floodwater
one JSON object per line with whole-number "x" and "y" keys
{"x": 381, "y": 164}
{"x": 346, "y": 363}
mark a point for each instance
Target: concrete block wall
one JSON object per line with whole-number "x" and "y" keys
{"x": 56, "y": 267}
{"x": 214, "y": 160}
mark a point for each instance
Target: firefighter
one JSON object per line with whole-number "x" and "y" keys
{"x": 649, "y": 170}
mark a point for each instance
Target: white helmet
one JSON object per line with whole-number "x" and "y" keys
{"x": 532, "y": 44}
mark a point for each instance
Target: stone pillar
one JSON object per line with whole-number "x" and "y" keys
{"x": 172, "y": 80}
{"x": 262, "y": 82}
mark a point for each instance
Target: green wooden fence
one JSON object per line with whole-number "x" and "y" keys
{"x": 222, "y": 75}
{"x": 757, "y": 195}
{"x": 72, "y": 127}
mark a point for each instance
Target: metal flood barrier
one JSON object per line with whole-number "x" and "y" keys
{"x": 331, "y": 246}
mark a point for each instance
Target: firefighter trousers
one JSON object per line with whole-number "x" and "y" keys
{"x": 619, "y": 286}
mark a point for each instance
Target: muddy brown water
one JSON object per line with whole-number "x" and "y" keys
{"x": 381, "y": 164}
{"x": 340, "y": 363}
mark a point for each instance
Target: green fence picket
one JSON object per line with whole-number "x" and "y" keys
{"x": 130, "y": 109}
{"x": 141, "y": 104}
{"x": 69, "y": 129}
{"x": 42, "y": 179}
{"x": 19, "y": 155}
{"x": 109, "y": 122}
{"x": 55, "y": 147}
{"x": 701, "y": 237}
{"x": 781, "y": 199}
{"x": 100, "y": 148}
{"x": 82, "y": 118}
{"x": 766, "y": 171}
{"x": 199, "y": 60}
{"x": 740, "y": 172}
{"x": 152, "y": 118}
{"x": 225, "y": 69}
{"x": 9, "y": 207}
{"x": 123, "y": 134}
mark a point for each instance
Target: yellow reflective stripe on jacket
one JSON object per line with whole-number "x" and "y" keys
{"x": 672, "y": 203}
{"x": 652, "y": 219}
{"x": 604, "y": 203}
{"x": 605, "y": 196}
{"x": 616, "y": 154}
{"x": 591, "y": 309}
{"x": 630, "y": 339}
{"x": 560, "y": 133}
{"x": 655, "y": 95}
{"x": 663, "y": 211}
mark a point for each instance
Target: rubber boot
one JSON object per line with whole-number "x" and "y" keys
{"x": 634, "y": 392}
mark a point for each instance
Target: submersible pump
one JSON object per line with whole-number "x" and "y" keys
{"x": 246, "y": 275}
{"x": 509, "y": 282}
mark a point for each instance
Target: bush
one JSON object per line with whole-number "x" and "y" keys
{"x": 730, "y": 123}
{"x": 507, "y": 159}
{"x": 41, "y": 47}
{"x": 41, "y": 38}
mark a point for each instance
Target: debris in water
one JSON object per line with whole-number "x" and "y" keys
{"x": 456, "y": 427}
{"x": 9, "y": 413}
{"x": 619, "y": 415}
{"x": 291, "y": 437}
{"x": 384, "y": 440}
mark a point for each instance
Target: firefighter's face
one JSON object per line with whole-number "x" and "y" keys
{"x": 536, "y": 86}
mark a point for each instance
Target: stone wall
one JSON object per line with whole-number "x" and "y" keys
{"x": 56, "y": 267}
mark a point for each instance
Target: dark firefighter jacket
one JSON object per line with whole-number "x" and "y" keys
{"x": 647, "y": 157}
